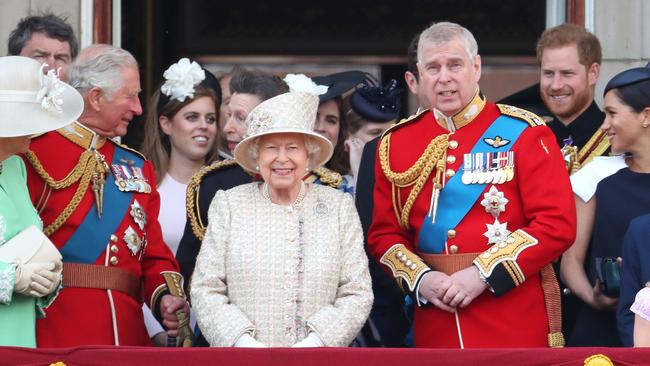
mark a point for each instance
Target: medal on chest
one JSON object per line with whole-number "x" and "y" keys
{"x": 495, "y": 203}
{"x": 129, "y": 178}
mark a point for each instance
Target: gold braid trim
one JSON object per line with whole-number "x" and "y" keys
{"x": 417, "y": 174}
{"x": 68, "y": 180}
{"x": 81, "y": 173}
{"x": 192, "y": 196}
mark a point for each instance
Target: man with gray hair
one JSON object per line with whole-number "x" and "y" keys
{"x": 99, "y": 205}
{"x": 461, "y": 219}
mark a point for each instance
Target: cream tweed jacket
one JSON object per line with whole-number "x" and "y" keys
{"x": 279, "y": 272}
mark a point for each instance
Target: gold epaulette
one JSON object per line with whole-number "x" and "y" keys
{"x": 596, "y": 146}
{"x": 192, "y": 195}
{"x": 328, "y": 177}
{"x": 529, "y": 117}
{"x": 404, "y": 122}
{"x": 405, "y": 265}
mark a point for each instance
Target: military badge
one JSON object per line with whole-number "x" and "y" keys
{"x": 496, "y": 232}
{"x": 488, "y": 167}
{"x": 496, "y": 142}
{"x": 129, "y": 178}
{"x": 133, "y": 240}
{"x": 494, "y": 202}
{"x": 138, "y": 214}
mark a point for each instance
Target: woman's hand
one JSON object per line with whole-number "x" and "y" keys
{"x": 354, "y": 146}
{"x": 36, "y": 279}
{"x": 247, "y": 341}
{"x": 600, "y": 301}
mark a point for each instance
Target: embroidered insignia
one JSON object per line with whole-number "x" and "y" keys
{"x": 496, "y": 142}
{"x": 494, "y": 202}
{"x": 133, "y": 241}
{"x": 496, "y": 232}
{"x": 138, "y": 214}
{"x": 130, "y": 178}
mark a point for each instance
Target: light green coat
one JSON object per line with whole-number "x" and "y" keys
{"x": 17, "y": 312}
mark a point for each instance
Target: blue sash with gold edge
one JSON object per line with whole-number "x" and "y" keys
{"x": 456, "y": 198}
{"x": 93, "y": 234}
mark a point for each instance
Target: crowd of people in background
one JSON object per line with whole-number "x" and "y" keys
{"x": 270, "y": 210}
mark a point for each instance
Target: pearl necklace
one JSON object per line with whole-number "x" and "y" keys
{"x": 299, "y": 198}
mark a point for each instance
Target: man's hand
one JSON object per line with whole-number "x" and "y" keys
{"x": 433, "y": 287}
{"x": 169, "y": 305}
{"x": 470, "y": 284}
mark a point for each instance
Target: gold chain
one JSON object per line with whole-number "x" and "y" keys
{"x": 417, "y": 174}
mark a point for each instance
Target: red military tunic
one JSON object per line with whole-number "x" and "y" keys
{"x": 88, "y": 316}
{"x": 540, "y": 204}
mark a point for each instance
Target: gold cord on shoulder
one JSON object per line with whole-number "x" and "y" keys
{"x": 417, "y": 174}
{"x": 83, "y": 172}
{"x": 192, "y": 196}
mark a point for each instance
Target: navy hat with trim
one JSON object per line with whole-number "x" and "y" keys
{"x": 376, "y": 103}
{"x": 628, "y": 77}
{"x": 339, "y": 83}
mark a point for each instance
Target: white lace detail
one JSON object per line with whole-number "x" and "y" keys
{"x": 641, "y": 306}
{"x": 7, "y": 273}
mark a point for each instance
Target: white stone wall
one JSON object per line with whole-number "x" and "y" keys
{"x": 624, "y": 33}
{"x": 11, "y": 11}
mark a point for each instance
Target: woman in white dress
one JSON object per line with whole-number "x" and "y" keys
{"x": 282, "y": 263}
{"x": 180, "y": 138}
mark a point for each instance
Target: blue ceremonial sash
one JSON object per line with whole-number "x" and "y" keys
{"x": 456, "y": 198}
{"x": 93, "y": 234}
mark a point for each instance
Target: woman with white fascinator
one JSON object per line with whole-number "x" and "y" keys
{"x": 30, "y": 265}
{"x": 282, "y": 263}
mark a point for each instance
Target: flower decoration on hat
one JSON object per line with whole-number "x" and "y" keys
{"x": 181, "y": 78}
{"x": 302, "y": 83}
{"x": 50, "y": 93}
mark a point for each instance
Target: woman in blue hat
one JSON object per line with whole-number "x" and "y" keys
{"x": 604, "y": 219}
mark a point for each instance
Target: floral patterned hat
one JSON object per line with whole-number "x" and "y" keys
{"x": 181, "y": 80}
{"x": 31, "y": 102}
{"x": 292, "y": 112}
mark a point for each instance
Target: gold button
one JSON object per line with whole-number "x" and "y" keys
{"x": 453, "y": 249}
{"x": 451, "y": 234}
{"x": 114, "y": 248}
{"x": 114, "y": 260}
{"x": 450, "y": 173}
{"x": 451, "y": 159}
{"x": 114, "y": 238}
{"x": 453, "y": 144}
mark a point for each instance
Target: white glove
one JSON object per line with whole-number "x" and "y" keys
{"x": 36, "y": 279}
{"x": 312, "y": 340}
{"x": 246, "y": 341}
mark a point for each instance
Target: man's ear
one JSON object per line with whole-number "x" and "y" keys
{"x": 593, "y": 72}
{"x": 411, "y": 82}
{"x": 94, "y": 98}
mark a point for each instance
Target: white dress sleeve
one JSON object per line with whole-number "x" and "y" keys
{"x": 585, "y": 181}
{"x": 221, "y": 322}
{"x": 641, "y": 305}
{"x": 337, "y": 324}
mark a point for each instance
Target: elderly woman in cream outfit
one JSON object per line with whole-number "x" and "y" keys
{"x": 282, "y": 263}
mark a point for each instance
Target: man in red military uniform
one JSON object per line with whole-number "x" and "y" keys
{"x": 99, "y": 205}
{"x": 472, "y": 203}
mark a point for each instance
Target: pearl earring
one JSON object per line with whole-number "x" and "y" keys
{"x": 257, "y": 168}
